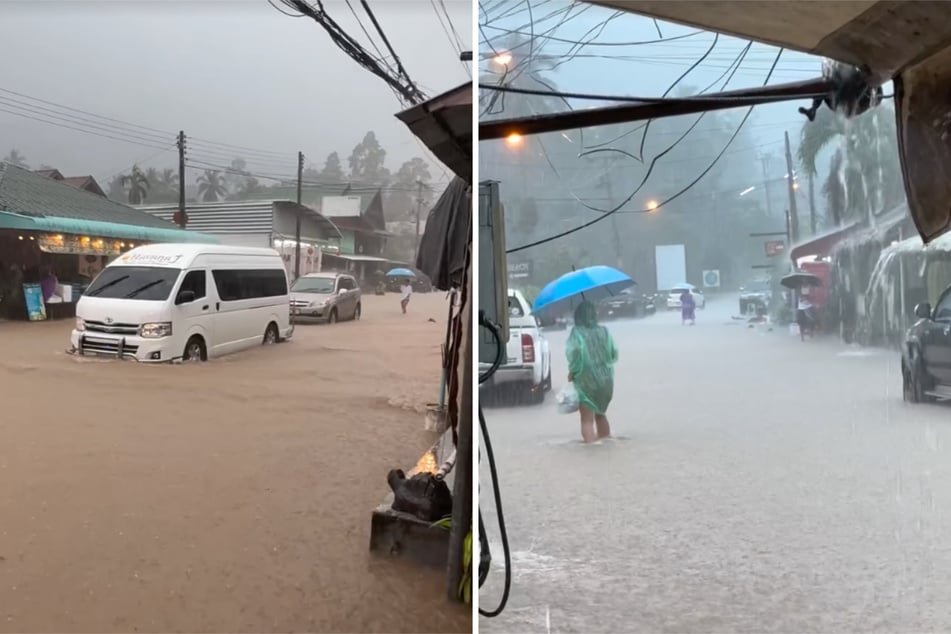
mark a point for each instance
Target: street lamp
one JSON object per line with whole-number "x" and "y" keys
{"x": 514, "y": 139}
{"x": 652, "y": 205}
{"x": 503, "y": 59}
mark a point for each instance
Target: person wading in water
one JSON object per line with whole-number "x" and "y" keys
{"x": 591, "y": 357}
{"x": 406, "y": 291}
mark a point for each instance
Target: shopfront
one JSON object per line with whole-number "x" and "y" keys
{"x": 43, "y": 274}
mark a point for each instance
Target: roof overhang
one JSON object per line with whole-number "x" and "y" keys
{"x": 322, "y": 221}
{"x": 908, "y": 42}
{"x": 821, "y": 245}
{"x": 76, "y": 226}
{"x": 444, "y": 125}
{"x": 359, "y": 258}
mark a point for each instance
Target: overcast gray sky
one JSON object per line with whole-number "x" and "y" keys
{"x": 230, "y": 71}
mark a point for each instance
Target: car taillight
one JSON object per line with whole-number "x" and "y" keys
{"x": 528, "y": 349}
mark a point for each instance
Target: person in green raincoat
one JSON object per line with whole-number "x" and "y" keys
{"x": 591, "y": 357}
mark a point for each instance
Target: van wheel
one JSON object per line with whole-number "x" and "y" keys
{"x": 195, "y": 351}
{"x": 356, "y": 313}
{"x": 271, "y": 336}
{"x": 332, "y": 317}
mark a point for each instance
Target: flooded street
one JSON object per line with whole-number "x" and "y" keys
{"x": 231, "y": 496}
{"x": 757, "y": 484}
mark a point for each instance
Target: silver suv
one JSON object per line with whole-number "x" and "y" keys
{"x": 325, "y": 297}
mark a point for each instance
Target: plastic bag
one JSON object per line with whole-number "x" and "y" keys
{"x": 567, "y": 399}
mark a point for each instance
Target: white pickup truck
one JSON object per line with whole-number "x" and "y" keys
{"x": 528, "y": 356}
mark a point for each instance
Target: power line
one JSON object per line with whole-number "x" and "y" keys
{"x": 554, "y": 38}
{"x": 288, "y": 179}
{"x": 118, "y": 125}
{"x": 653, "y": 162}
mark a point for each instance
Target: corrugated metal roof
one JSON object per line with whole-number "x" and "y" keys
{"x": 30, "y": 194}
{"x": 222, "y": 218}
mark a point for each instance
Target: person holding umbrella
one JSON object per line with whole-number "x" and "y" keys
{"x": 590, "y": 350}
{"x": 592, "y": 353}
{"x": 406, "y": 291}
{"x": 406, "y": 287}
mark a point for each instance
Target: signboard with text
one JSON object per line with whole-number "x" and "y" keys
{"x": 775, "y": 247}
{"x": 519, "y": 270}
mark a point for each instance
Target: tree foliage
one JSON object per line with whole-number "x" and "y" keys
{"x": 16, "y": 158}
{"x": 211, "y": 186}
{"x": 865, "y": 171}
{"x": 136, "y": 185}
{"x": 367, "y": 161}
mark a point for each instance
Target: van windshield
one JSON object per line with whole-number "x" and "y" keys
{"x": 134, "y": 282}
{"x": 313, "y": 285}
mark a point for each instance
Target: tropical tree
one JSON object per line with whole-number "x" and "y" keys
{"x": 250, "y": 186}
{"x": 136, "y": 184}
{"x": 211, "y": 186}
{"x": 16, "y": 159}
{"x": 367, "y": 161}
{"x": 865, "y": 172}
{"x": 401, "y": 201}
{"x": 333, "y": 170}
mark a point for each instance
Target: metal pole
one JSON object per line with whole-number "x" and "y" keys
{"x": 769, "y": 207}
{"x": 790, "y": 185}
{"x": 182, "y": 219}
{"x": 614, "y": 229}
{"x": 297, "y": 227}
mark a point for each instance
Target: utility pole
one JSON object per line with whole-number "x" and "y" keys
{"x": 764, "y": 159}
{"x": 419, "y": 209}
{"x": 791, "y": 186}
{"x": 297, "y": 228}
{"x": 614, "y": 229}
{"x": 813, "y": 220}
{"x": 181, "y": 217}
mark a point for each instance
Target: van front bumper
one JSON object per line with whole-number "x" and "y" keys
{"x": 96, "y": 344}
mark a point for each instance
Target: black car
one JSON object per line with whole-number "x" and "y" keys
{"x": 926, "y": 353}
{"x": 627, "y": 303}
{"x": 755, "y": 297}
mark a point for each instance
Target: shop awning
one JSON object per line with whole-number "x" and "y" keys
{"x": 821, "y": 245}
{"x": 361, "y": 258}
{"x": 77, "y": 226}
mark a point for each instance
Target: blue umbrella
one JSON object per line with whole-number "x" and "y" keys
{"x": 592, "y": 284}
{"x": 400, "y": 272}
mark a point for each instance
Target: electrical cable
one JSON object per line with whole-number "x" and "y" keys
{"x": 485, "y": 322}
{"x": 607, "y": 44}
{"x": 661, "y": 203}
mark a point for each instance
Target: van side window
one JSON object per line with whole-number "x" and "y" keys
{"x": 194, "y": 281}
{"x": 237, "y": 284}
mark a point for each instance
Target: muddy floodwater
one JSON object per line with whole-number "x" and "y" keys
{"x": 229, "y": 496}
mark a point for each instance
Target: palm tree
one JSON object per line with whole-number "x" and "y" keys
{"x": 865, "y": 173}
{"x": 137, "y": 184}
{"x": 211, "y": 186}
{"x": 16, "y": 159}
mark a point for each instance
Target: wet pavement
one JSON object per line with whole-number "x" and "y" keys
{"x": 757, "y": 484}
{"x": 232, "y": 496}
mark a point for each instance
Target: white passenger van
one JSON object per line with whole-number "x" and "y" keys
{"x": 188, "y": 302}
